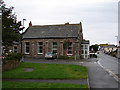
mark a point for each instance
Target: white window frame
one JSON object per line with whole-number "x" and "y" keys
{"x": 84, "y": 49}
{"x": 54, "y": 48}
{"x": 25, "y": 48}
{"x": 71, "y": 50}
{"x": 14, "y": 49}
{"x": 39, "y": 46}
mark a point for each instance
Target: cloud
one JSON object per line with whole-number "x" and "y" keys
{"x": 99, "y": 17}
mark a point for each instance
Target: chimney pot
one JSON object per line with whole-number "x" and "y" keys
{"x": 67, "y": 23}
{"x": 30, "y": 24}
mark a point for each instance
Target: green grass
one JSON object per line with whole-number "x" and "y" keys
{"x": 11, "y": 84}
{"x": 47, "y": 71}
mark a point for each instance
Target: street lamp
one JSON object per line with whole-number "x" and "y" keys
{"x": 23, "y": 24}
{"x": 22, "y": 34}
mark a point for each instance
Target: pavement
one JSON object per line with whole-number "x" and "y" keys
{"x": 73, "y": 81}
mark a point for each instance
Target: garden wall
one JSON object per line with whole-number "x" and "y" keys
{"x": 10, "y": 64}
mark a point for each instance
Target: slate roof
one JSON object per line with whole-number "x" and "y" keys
{"x": 52, "y": 31}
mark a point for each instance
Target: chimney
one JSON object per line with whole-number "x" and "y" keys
{"x": 30, "y": 24}
{"x": 67, "y": 23}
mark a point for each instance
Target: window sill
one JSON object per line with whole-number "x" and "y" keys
{"x": 40, "y": 53}
{"x": 69, "y": 54}
{"x": 27, "y": 53}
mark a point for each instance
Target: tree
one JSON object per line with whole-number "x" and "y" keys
{"x": 95, "y": 47}
{"x": 10, "y": 26}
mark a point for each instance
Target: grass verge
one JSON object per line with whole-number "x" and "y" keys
{"x": 47, "y": 71}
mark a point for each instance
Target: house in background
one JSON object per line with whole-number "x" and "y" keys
{"x": 37, "y": 40}
{"x": 102, "y": 46}
{"x": 109, "y": 48}
{"x": 15, "y": 48}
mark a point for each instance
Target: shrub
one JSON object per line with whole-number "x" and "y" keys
{"x": 114, "y": 54}
{"x": 66, "y": 57}
{"x": 62, "y": 57}
{"x": 71, "y": 57}
{"x": 13, "y": 56}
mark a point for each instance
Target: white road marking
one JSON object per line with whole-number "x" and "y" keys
{"x": 110, "y": 72}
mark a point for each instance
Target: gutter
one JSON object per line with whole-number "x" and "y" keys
{"x": 110, "y": 72}
{"x": 88, "y": 81}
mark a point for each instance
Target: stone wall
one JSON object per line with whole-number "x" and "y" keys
{"x": 10, "y": 64}
{"x": 47, "y": 47}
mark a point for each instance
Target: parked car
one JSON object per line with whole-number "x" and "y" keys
{"x": 50, "y": 55}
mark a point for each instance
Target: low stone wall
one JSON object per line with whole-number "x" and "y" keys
{"x": 10, "y": 64}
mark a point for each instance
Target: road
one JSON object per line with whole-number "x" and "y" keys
{"x": 108, "y": 62}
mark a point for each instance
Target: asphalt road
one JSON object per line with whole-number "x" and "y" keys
{"x": 98, "y": 77}
{"x": 110, "y": 63}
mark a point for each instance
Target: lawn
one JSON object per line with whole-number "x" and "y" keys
{"x": 47, "y": 71}
{"x": 9, "y": 84}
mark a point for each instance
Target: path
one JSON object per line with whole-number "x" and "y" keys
{"x": 75, "y": 81}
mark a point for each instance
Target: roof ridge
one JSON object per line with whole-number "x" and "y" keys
{"x": 54, "y": 25}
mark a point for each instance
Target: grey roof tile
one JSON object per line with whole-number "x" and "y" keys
{"x": 52, "y": 31}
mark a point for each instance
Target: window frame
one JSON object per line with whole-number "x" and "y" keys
{"x": 71, "y": 49}
{"x": 38, "y": 47}
{"x": 85, "y": 50}
{"x": 25, "y": 48}
{"x": 14, "y": 49}
{"x": 54, "y": 48}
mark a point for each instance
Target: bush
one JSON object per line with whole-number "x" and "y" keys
{"x": 71, "y": 57}
{"x": 62, "y": 57}
{"x": 13, "y": 56}
{"x": 65, "y": 57}
{"x": 114, "y": 54}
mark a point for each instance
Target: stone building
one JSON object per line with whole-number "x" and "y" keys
{"x": 37, "y": 40}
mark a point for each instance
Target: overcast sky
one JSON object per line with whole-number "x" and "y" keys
{"x": 99, "y": 17}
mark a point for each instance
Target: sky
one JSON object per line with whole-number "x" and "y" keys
{"x": 99, "y": 17}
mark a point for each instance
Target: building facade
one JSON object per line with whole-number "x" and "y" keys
{"x": 108, "y": 48}
{"x": 64, "y": 40}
